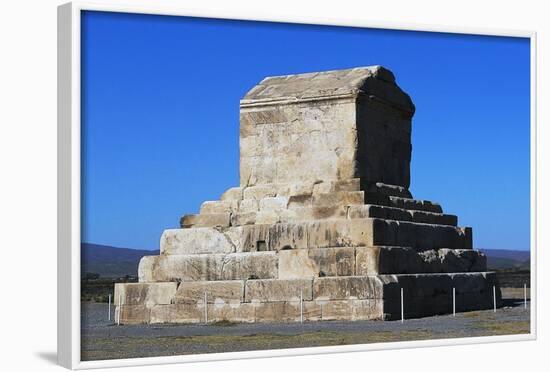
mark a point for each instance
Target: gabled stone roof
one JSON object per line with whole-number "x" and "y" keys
{"x": 370, "y": 80}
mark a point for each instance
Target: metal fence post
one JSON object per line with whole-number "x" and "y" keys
{"x": 454, "y": 302}
{"x": 402, "y": 307}
{"x": 205, "y": 308}
{"x": 494, "y": 299}
{"x": 525, "y": 295}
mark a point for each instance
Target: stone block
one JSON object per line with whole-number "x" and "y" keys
{"x": 219, "y": 206}
{"x": 434, "y": 218}
{"x": 288, "y": 235}
{"x": 248, "y": 205}
{"x": 404, "y": 260}
{"x": 146, "y": 294}
{"x": 243, "y": 218}
{"x": 273, "y": 290}
{"x": 340, "y": 233}
{"x": 345, "y": 288}
{"x": 194, "y": 240}
{"x": 417, "y": 235}
{"x": 250, "y": 238}
{"x": 273, "y": 203}
{"x": 284, "y": 311}
{"x": 260, "y": 191}
{"x": 389, "y": 190}
{"x": 146, "y": 267}
{"x": 294, "y": 188}
{"x": 133, "y": 314}
{"x": 206, "y": 220}
{"x": 232, "y": 311}
{"x": 234, "y": 193}
{"x": 413, "y": 204}
{"x": 300, "y": 201}
{"x": 296, "y": 263}
{"x": 200, "y": 267}
{"x": 224, "y": 290}
{"x": 267, "y": 217}
{"x": 178, "y": 313}
{"x": 307, "y": 263}
{"x": 352, "y": 309}
{"x": 339, "y": 198}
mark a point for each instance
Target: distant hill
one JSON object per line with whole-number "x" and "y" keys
{"x": 499, "y": 259}
{"x": 111, "y": 262}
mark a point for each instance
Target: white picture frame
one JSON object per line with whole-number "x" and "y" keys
{"x": 69, "y": 219}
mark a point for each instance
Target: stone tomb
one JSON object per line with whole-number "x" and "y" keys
{"x": 322, "y": 225}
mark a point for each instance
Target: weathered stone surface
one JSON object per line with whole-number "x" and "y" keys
{"x": 284, "y": 311}
{"x": 352, "y": 309}
{"x": 216, "y": 291}
{"x": 273, "y": 203}
{"x": 345, "y": 288}
{"x": 352, "y": 184}
{"x": 133, "y": 314}
{"x": 248, "y": 205}
{"x": 147, "y": 294}
{"x": 389, "y": 190}
{"x": 234, "y": 193}
{"x": 194, "y": 240}
{"x": 218, "y": 206}
{"x": 199, "y": 267}
{"x": 398, "y": 214}
{"x": 420, "y": 205}
{"x": 418, "y": 235}
{"x": 280, "y": 135}
{"x": 273, "y": 290}
{"x": 294, "y": 188}
{"x": 403, "y": 260}
{"x": 206, "y": 220}
{"x": 287, "y": 236}
{"x": 232, "y": 311}
{"x": 260, "y": 191}
{"x": 340, "y": 233}
{"x": 339, "y": 198}
{"x": 307, "y": 263}
{"x": 251, "y": 238}
{"x": 178, "y": 313}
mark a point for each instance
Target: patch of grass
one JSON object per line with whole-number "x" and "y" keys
{"x": 506, "y": 328}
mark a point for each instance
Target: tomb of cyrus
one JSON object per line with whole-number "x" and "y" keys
{"x": 322, "y": 226}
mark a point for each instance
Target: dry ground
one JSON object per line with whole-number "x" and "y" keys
{"x": 103, "y": 340}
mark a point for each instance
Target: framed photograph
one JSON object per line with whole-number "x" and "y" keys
{"x": 232, "y": 186}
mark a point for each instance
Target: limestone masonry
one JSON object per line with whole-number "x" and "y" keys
{"x": 322, "y": 226}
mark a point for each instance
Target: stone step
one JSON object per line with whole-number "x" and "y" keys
{"x": 197, "y": 267}
{"x": 350, "y": 261}
{"x": 306, "y": 264}
{"x": 387, "y": 190}
{"x": 343, "y": 232}
{"x": 206, "y": 220}
{"x": 400, "y": 260}
{"x": 377, "y": 198}
{"x": 340, "y": 298}
{"x": 399, "y": 214}
{"x": 419, "y": 236}
{"x": 414, "y": 204}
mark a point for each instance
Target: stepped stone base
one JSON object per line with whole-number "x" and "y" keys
{"x": 294, "y": 300}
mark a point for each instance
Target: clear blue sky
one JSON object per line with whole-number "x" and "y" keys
{"x": 160, "y": 123}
